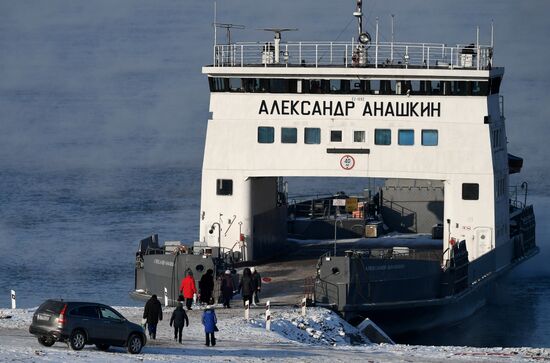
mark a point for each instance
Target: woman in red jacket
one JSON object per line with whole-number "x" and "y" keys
{"x": 188, "y": 289}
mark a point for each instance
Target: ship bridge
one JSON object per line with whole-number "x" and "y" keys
{"x": 370, "y": 109}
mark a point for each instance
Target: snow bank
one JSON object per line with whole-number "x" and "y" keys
{"x": 318, "y": 327}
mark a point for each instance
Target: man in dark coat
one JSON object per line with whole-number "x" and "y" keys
{"x": 227, "y": 288}
{"x": 245, "y": 287}
{"x": 256, "y": 286}
{"x": 179, "y": 319}
{"x": 153, "y": 313}
{"x": 206, "y": 286}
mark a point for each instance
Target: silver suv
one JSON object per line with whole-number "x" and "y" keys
{"x": 81, "y": 323}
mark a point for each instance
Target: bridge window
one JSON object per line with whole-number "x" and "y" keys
{"x": 470, "y": 191}
{"x": 405, "y": 137}
{"x": 354, "y": 86}
{"x": 224, "y": 187}
{"x": 429, "y": 137}
{"x": 266, "y": 135}
{"x": 358, "y": 136}
{"x": 336, "y": 136}
{"x": 289, "y": 135}
{"x": 382, "y": 136}
{"x": 312, "y": 135}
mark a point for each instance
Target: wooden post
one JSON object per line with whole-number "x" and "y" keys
{"x": 267, "y": 316}
{"x": 247, "y": 309}
{"x": 304, "y": 300}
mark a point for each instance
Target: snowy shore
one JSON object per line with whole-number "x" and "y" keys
{"x": 320, "y": 335}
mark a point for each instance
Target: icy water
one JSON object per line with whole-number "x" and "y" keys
{"x": 102, "y": 119}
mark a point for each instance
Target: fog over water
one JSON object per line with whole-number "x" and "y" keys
{"x": 103, "y": 112}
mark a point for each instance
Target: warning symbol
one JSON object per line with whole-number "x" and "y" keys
{"x": 347, "y": 162}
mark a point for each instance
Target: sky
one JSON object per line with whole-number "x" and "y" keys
{"x": 116, "y": 83}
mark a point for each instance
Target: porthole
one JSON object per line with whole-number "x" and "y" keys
{"x": 199, "y": 268}
{"x": 335, "y": 271}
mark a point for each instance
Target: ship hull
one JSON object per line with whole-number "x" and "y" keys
{"x": 400, "y": 318}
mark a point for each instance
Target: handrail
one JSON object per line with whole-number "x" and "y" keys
{"x": 351, "y": 54}
{"x": 320, "y": 280}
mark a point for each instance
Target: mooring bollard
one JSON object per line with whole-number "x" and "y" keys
{"x": 165, "y": 296}
{"x": 246, "y": 309}
{"x": 304, "y": 300}
{"x": 13, "y": 304}
{"x": 267, "y": 316}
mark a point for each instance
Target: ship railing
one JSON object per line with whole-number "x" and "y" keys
{"x": 326, "y": 292}
{"x": 515, "y": 192}
{"x": 350, "y": 54}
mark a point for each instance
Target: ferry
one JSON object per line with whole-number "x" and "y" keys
{"x": 426, "y": 121}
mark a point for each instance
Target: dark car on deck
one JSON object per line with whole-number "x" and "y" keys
{"x": 82, "y": 323}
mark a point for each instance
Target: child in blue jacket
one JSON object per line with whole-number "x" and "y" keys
{"x": 209, "y": 321}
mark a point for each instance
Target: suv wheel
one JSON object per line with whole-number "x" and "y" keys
{"x": 46, "y": 341}
{"x": 77, "y": 340}
{"x": 134, "y": 344}
{"x": 102, "y": 347}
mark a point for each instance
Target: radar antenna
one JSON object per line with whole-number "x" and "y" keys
{"x": 228, "y": 28}
{"x": 277, "y": 39}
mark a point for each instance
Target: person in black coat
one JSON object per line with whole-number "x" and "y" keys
{"x": 179, "y": 319}
{"x": 256, "y": 286}
{"x": 206, "y": 287}
{"x": 153, "y": 313}
{"x": 227, "y": 288}
{"x": 245, "y": 287}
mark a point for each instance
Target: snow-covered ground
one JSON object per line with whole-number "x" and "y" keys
{"x": 320, "y": 335}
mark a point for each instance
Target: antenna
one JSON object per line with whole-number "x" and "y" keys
{"x": 228, "y": 28}
{"x": 214, "y": 24}
{"x": 277, "y": 39}
{"x": 358, "y": 13}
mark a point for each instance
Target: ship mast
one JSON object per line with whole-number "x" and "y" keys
{"x": 360, "y": 57}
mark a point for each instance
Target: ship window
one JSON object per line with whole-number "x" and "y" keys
{"x": 336, "y": 136}
{"x": 470, "y": 191}
{"x": 339, "y": 86}
{"x": 224, "y": 187}
{"x": 361, "y": 87}
{"x": 459, "y": 88}
{"x": 387, "y": 87}
{"x": 235, "y": 85}
{"x": 480, "y": 88}
{"x": 382, "y": 136}
{"x": 429, "y": 137}
{"x": 218, "y": 84}
{"x": 315, "y": 86}
{"x": 358, "y": 136}
{"x": 405, "y": 137}
{"x": 312, "y": 135}
{"x": 266, "y": 135}
{"x": 282, "y": 85}
{"x": 289, "y": 135}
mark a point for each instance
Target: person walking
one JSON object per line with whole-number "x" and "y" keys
{"x": 209, "y": 320}
{"x": 188, "y": 289}
{"x": 153, "y": 313}
{"x": 256, "y": 286}
{"x": 206, "y": 286}
{"x": 178, "y": 320}
{"x": 245, "y": 286}
{"x": 227, "y": 288}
